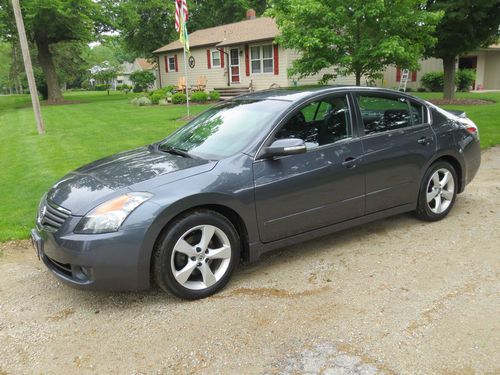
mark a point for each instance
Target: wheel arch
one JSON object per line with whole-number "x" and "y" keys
{"x": 455, "y": 161}
{"x": 225, "y": 210}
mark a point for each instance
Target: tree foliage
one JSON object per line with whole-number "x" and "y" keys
{"x": 49, "y": 23}
{"x": 465, "y": 26}
{"x": 142, "y": 80}
{"x": 359, "y": 37}
{"x": 148, "y": 25}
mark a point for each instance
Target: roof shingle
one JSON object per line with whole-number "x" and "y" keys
{"x": 253, "y": 30}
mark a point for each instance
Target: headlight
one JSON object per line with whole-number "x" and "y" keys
{"x": 109, "y": 216}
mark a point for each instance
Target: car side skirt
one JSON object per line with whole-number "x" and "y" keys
{"x": 257, "y": 249}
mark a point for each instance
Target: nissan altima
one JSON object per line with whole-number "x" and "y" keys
{"x": 249, "y": 175}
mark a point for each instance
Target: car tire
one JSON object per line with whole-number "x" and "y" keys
{"x": 196, "y": 255}
{"x": 438, "y": 191}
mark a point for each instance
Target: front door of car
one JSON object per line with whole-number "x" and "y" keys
{"x": 397, "y": 142}
{"x": 302, "y": 192}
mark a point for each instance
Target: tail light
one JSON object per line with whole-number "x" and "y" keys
{"x": 469, "y": 125}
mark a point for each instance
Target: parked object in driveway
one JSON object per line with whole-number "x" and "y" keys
{"x": 249, "y": 175}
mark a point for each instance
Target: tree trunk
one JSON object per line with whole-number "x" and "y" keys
{"x": 49, "y": 71}
{"x": 358, "y": 78}
{"x": 449, "y": 77}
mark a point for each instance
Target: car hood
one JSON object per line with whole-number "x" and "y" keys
{"x": 144, "y": 168}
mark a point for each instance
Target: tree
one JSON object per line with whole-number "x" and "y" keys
{"x": 49, "y": 23}
{"x": 142, "y": 80}
{"x": 148, "y": 25}
{"x": 359, "y": 37}
{"x": 465, "y": 26}
{"x": 105, "y": 73}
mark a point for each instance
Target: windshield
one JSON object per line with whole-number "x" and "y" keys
{"x": 224, "y": 130}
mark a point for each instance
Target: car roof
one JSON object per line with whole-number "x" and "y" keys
{"x": 298, "y": 94}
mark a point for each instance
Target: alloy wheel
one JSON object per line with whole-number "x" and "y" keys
{"x": 201, "y": 257}
{"x": 440, "y": 190}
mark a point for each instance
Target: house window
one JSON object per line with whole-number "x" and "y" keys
{"x": 215, "y": 59}
{"x": 171, "y": 64}
{"x": 262, "y": 58}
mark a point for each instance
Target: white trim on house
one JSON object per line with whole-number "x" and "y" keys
{"x": 218, "y": 53}
{"x": 261, "y": 58}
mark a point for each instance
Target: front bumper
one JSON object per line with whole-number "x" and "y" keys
{"x": 110, "y": 261}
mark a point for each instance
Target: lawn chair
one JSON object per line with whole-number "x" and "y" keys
{"x": 201, "y": 84}
{"x": 181, "y": 84}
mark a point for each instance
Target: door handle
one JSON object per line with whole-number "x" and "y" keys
{"x": 425, "y": 140}
{"x": 350, "y": 162}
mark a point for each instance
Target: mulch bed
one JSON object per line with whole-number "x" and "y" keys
{"x": 461, "y": 101}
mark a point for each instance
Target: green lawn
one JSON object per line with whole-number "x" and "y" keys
{"x": 75, "y": 134}
{"x": 102, "y": 125}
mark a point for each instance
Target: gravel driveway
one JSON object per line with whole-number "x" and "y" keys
{"x": 397, "y": 296}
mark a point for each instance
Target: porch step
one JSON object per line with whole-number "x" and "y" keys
{"x": 231, "y": 91}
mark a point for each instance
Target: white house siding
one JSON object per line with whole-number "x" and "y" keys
{"x": 217, "y": 76}
{"x": 293, "y": 55}
{"x": 491, "y": 70}
{"x": 427, "y": 65}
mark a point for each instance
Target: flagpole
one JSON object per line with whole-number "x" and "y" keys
{"x": 185, "y": 72}
{"x": 184, "y": 36}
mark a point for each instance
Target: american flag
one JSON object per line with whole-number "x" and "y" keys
{"x": 180, "y": 5}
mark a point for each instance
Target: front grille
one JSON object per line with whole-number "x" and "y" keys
{"x": 52, "y": 216}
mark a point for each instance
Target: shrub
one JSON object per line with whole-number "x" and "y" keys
{"x": 156, "y": 97}
{"x": 433, "y": 81}
{"x": 214, "y": 95}
{"x": 199, "y": 97}
{"x": 464, "y": 79}
{"x": 124, "y": 87}
{"x": 141, "y": 101}
{"x": 179, "y": 98}
{"x": 142, "y": 79}
{"x": 421, "y": 89}
{"x": 85, "y": 84}
{"x": 102, "y": 87}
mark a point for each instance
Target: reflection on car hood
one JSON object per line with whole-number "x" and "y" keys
{"x": 96, "y": 182}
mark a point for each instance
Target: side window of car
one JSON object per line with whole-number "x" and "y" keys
{"x": 382, "y": 113}
{"x": 319, "y": 123}
{"x": 417, "y": 113}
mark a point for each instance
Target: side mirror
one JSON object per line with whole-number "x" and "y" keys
{"x": 284, "y": 147}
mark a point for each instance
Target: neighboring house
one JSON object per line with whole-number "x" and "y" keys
{"x": 240, "y": 54}
{"x": 244, "y": 55}
{"x": 124, "y": 75}
{"x": 485, "y": 61}
{"x": 128, "y": 68}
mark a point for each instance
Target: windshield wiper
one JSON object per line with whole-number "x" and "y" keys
{"x": 177, "y": 151}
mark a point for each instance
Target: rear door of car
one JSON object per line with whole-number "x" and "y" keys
{"x": 397, "y": 142}
{"x": 303, "y": 192}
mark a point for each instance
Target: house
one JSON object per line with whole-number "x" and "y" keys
{"x": 243, "y": 55}
{"x": 486, "y": 62}
{"x": 128, "y": 68}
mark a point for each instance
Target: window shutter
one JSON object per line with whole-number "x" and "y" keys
{"x": 398, "y": 74}
{"x": 208, "y": 59}
{"x": 166, "y": 64}
{"x": 414, "y": 76}
{"x": 175, "y": 61}
{"x": 247, "y": 60}
{"x": 276, "y": 61}
{"x": 222, "y": 58}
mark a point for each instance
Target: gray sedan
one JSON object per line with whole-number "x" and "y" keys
{"x": 250, "y": 175}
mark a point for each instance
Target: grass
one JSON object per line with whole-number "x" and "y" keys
{"x": 102, "y": 125}
{"x": 75, "y": 134}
